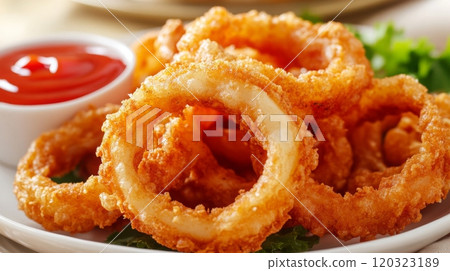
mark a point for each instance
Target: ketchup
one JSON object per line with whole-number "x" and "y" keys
{"x": 55, "y": 73}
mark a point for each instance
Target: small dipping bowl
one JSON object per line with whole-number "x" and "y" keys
{"x": 21, "y": 124}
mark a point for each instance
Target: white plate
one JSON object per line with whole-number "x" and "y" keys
{"x": 16, "y": 226}
{"x": 164, "y": 9}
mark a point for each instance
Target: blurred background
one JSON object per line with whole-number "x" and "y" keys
{"x": 24, "y": 19}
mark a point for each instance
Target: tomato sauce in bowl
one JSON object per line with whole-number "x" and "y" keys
{"x": 46, "y": 81}
{"x": 55, "y": 73}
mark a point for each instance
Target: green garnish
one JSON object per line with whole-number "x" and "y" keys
{"x": 391, "y": 53}
{"x": 132, "y": 238}
{"x": 73, "y": 176}
{"x": 289, "y": 240}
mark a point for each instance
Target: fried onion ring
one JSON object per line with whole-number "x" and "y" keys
{"x": 327, "y": 59}
{"x": 402, "y": 192}
{"x": 240, "y": 226}
{"x": 72, "y": 207}
{"x": 335, "y": 152}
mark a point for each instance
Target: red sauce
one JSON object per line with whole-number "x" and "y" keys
{"x": 58, "y": 73}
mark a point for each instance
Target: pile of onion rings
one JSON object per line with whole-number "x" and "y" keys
{"x": 375, "y": 155}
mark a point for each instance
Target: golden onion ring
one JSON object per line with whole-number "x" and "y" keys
{"x": 327, "y": 61}
{"x": 72, "y": 207}
{"x": 402, "y": 193}
{"x": 240, "y": 226}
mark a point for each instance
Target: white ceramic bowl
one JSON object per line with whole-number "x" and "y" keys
{"x": 21, "y": 124}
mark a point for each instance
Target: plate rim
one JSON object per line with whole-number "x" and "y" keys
{"x": 372, "y": 246}
{"x": 412, "y": 239}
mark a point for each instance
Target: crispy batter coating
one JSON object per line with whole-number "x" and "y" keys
{"x": 381, "y": 147}
{"x": 240, "y": 226}
{"x": 72, "y": 207}
{"x": 443, "y": 102}
{"x": 335, "y": 154}
{"x": 332, "y": 63}
{"x": 403, "y": 141}
{"x": 204, "y": 181}
{"x": 325, "y": 59}
{"x": 367, "y": 141}
{"x": 401, "y": 194}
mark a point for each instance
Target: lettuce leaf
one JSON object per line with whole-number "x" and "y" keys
{"x": 391, "y": 53}
{"x": 132, "y": 238}
{"x": 73, "y": 176}
{"x": 294, "y": 239}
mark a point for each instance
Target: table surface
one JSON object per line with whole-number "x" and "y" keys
{"x": 25, "y": 19}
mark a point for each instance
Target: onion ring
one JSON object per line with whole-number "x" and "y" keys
{"x": 400, "y": 196}
{"x": 332, "y": 62}
{"x": 380, "y": 148}
{"x": 240, "y": 226}
{"x": 72, "y": 207}
{"x": 335, "y": 153}
{"x": 203, "y": 182}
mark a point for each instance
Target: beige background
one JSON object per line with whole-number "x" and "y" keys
{"x": 22, "y": 19}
